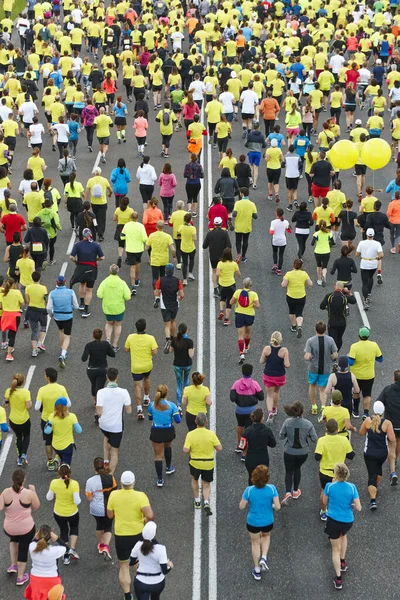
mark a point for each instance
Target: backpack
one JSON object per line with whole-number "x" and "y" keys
{"x": 48, "y": 196}
{"x": 166, "y": 117}
{"x": 244, "y": 300}
{"x": 97, "y": 191}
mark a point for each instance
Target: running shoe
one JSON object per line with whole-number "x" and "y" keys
{"x": 289, "y": 208}
{"x": 269, "y": 197}
{"x": 321, "y": 417}
{"x": 244, "y": 259}
{"x": 221, "y": 315}
{"x": 293, "y": 328}
{"x": 156, "y": 303}
{"x": 24, "y": 459}
{"x": 274, "y": 268}
{"x": 278, "y": 272}
{"x": 238, "y": 259}
{"x": 238, "y": 450}
{"x": 26, "y": 325}
{"x": 19, "y": 462}
{"x": 185, "y": 282}
{"x": 82, "y": 307}
{"x": 61, "y": 361}
{"x": 137, "y": 282}
{"x": 146, "y": 401}
{"x": 134, "y": 291}
{"x": 323, "y": 516}
{"x": 41, "y": 347}
{"x": 319, "y": 282}
{"x": 226, "y": 322}
{"x": 323, "y": 281}
{"x": 296, "y": 494}
{"x": 337, "y": 582}
{"x": 4, "y": 345}
{"x": 140, "y": 415}
{"x": 167, "y": 346}
{"x": 286, "y": 497}
{"x": 365, "y": 415}
{"x": 116, "y": 349}
{"x": 256, "y": 574}
{"x": 50, "y": 465}
{"x": 373, "y": 505}
{"x": 355, "y": 413}
{"x": 56, "y": 462}
{"x": 106, "y": 552}
{"x": 160, "y": 482}
{"x": 119, "y": 262}
{"x": 379, "y": 278}
{"x": 67, "y": 559}
{"x": 85, "y": 314}
{"x": 270, "y": 417}
{"x": 12, "y": 569}
{"x": 191, "y": 277}
{"x": 246, "y": 349}
{"x": 9, "y": 358}
{"x": 243, "y": 457}
{"x": 299, "y": 332}
{"x": 314, "y": 409}
{"x": 197, "y": 504}
{"x": 169, "y": 470}
{"x": 34, "y": 353}
{"x": 207, "y": 509}
{"x": 241, "y": 359}
{"x": 263, "y": 564}
{"x": 22, "y": 580}
{"x": 277, "y": 198}
{"x": 73, "y": 554}
{"x": 393, "y": 478}
{"x": 343, "y": 565}
{"x": 216, "y": 293}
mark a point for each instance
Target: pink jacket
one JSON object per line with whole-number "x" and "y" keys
{"x": 167, "y": 183}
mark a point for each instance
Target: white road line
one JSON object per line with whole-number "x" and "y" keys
{"x": 363, "y": 314}
{"x": 71, "y": 243}
{"x": 97, "y": 161}
{"x": 63, "y": 268}
{"x": 8, "y": 440}
{"x": 212, "y": 523}
{"x": 197, "y": 540}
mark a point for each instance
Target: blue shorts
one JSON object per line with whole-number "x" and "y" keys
{"x": 320, "y": 380}
{"x": 254, "y": 158}
{"x": 117, "y": 318}
{"x": 242, "y": 320}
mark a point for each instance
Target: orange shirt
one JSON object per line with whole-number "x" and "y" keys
{"x": 393, "y": 212}
{"x": 191, "y": 24}
{"x": 150, "y": 217}
{"x": 269, "y": 108}
{"x": 240, "y": 41}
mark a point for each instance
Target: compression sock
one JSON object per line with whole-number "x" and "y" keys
{"x": 379, "y": 271}
{"x": 247, "y": 342}
{"x": 168, "y": 456}
{"x": 241, "y": 346}
{"x": 356, "y": 404}
{"x": 158, "y": 465}
{"x": 87, "y": 307}
{"x": 81, "y": 300}
{"x": 119, "y": 135}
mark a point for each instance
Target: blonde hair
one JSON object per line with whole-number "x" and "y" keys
{"x": 161, "y": 394}
{"x": 375, "y": 422}
{"x": 276, "y": 338}
{"x": 18, "y": 380}
{"x": 341, "y": 472}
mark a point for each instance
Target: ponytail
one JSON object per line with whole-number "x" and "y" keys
{"x": 72, "y": 178}
{"x": 309, "y": 154}
{"x": 375, "y": 423}
{"x": 64, "y": 472}
{"x": 280, "y": 214}
{"x": 18, "y": 478}
{"x": 295, "y": 410}
{"x": 147, "y": 547}
{"x": 7, "y": 285}
{"x": 197, "y": 378}
{"x": 161, "y": 394}
{"x": 182, "y": 329}
{"x": 43, "y": 537}
{"x": 17, "y": 381}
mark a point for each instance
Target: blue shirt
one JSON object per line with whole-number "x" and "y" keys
{"x": 120, "y": 180}
{"x": 87, "y": 252}
{"x": 120, "y": 112}
{"x": 301, "y": 144}
{"x": 260, "y": 502}
{"x": 298, "y": 69}
{"x": 73, "y": 127}
{"x": 340, "y": 498}
{"x": 278, "y": 137}
{"x": 163, "y": 418}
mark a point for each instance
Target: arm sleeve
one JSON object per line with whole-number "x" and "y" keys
{"x": 77, "y": 498}
{"x": 77, "y": 428}
{"x": 50, "y": 495}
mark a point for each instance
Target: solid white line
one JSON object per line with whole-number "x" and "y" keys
{"x": 363, "y": 314}
{"x": 97, "y": 161}
{"x": 71, "y": 243}
{"x": 9, "y": 438}
{"x": 63, "y": 268}
{"x": 212, "y": 523}
{"x": 197, "y": 540}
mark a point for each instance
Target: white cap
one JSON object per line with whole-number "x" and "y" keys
{"x": 127, "y": 478}
{"x": 311, "y": 73}
{"x": 274, "y": 143}
{"x": 370, "y": 232}
{"x": 217, "y": 221}
{"x": 379, "y": 407}
{"x": 358, "y": 122}
{"x": 378, "y": 62}
{"x": 233, "y": 74}
{"x": 150, "y": 530}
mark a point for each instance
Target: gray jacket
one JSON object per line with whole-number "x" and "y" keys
{"x": 297, "y": 433}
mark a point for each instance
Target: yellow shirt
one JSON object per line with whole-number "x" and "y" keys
{"x": 246, "y": 310}
{"x": 36, "y": 293}
{"x": 102, "y": 123}
{"x": 196, "y": 396}
{"x": 141, "y": 346}
{"x": 159, "y": 242}
{"x": 187, "y": 234}
{"x": 47, "y": 395}
{"x": 123, "y": 216}
{"x": 176, "y": 219}
{"x": 63, "y": 431}
{"x": 333, "y": 449}
{"x": 274, "y": 158}
{"x": 36, "y": 163}
{"x": 128, "y": 515}
{"x": 64, "y": 505}
{"x": 10, "y": 128}
{"x": 296, "y": 283}
{"x": 33, "y": 201}
{"x": 17, "y": 401}
{"x": 336, "y": 99}
{"x": 214, "y": 110}
{"x": 316, "y": 98}
{"x": 25, "y": 266}
{"x": 336, "y": 200}
{"x": 229, "y": 163}
{"x": 340, "y": 414}
{"x": 368, "y": 204}
{"x": 364, "y": 353}
{"x": 227, "y": 270}
{"x": 56, "y": 111}
{"x": 201, "y": 443}
{"x": 244, "y": 209}
{"x": 3, "y": 420}
{"x": 97, "y": 179}
{"x": 223, "y": 129}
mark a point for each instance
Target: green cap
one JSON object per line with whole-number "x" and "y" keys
{"x": 337, "y": 396}
{"x": 364, "y": 332}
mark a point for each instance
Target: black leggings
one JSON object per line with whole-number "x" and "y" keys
{"x": 23, "y": 542}
{"x": 13, "y": 334}
{"x": 156, "y": 273}
{"x": 269, "y": 125}
{"x": 242, "y": 243}
{"x": 52, "y": 243}
{"x": 146, "y": 191}
{"x": 23, "y": 436}
{"x": 309, "y": 183}
{"x": 68, "y": 526}
{"x": 337, "y": 334}
{"x": 167, "y": 203}
{"x": 301, "y": 242}
{"x": 374, "y": 468}
{"x": 177, "y": 242}
{"x": 192, "y": 192}
{"x": 293, "y": 464}
{"x": 187, "y": 257}
{"x": 367, "y": 278}
{"x": 144, "y": 591}
{"x": 97, "y": 379}
{"x": 275, "y": 251}
{"x": 307, "y": 129}
{"x": 89, "y": 134}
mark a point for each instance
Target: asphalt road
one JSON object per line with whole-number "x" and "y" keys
{"x": 212, "y": 559}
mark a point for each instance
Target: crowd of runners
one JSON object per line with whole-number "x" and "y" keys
{"x": 281, "y": 79}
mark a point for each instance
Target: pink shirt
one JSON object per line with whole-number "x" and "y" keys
{"x": 18, "y": 518}
{"x": 167, "y": 183}
{"x": 140, "y": 126}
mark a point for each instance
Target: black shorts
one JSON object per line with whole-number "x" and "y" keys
{"x": 11, "y": 142}
{"x": 326, "y": 92}
{"x": 47, "y": 437}
{"x": 114, "y": 439}
{"x": 334, "y": 529}
{"x": 162, "y": 435}
{"x": 104, "y": 524}
{"x": 322, "y": 260}
{"x": 214, "y": 263}
{"x": 292, "y": 183}
{"x": 262, "y": 529}
{"x": 169, "y": 314}
{"x": 104, "y": 140}
{"x": 156, "y": 88}
{"x": 243, "y": 420}
{"x": 84, "y": 274}
{"x": 296, "y": 305}
{"x": 229, "y": 203}
{"x": 140, "y": 376}
{"x": 65, "y": 326}
{"x": 226, "y": 294}
{"x": 206, "y": 475}
{"x": 166, "y": 140}
{"x": 273, "y": 176}
{"x": 120, "y": 121}
{"x": 361, "y": 169}
{"x": 124, "y": 545}
{"x": 365, "y": 386}
{"x": 396, "y": 433}
{"x": 133, "y": 258}
{"x": 247, "y": 116}
{"x": 324, "y": 479}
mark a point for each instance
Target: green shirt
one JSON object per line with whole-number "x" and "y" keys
{"x": 113, "y": 292}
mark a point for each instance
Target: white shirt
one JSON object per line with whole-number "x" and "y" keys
{"x": 44, "y": 564}
{"x": 28, "y": 111}
{"x": 336, "y": 63}
{"x": 368, "y": 250}
{"x": 279, "y": 228}
{"x": 4, "y": 112}
{"x": 62, "y": 132}
{"x": 22, "y": 25}
{"x": 226, "y": 99}
{"x": 292, "y": 165}
{"x": 25, "y": 186}
{"x": 177, "y": 38}
{"x": 147, "y": 175}
{"x": 94, "y": 486}
{"x": 198, "y": 88}
{"x": 113, "y": 400}
{"x": 249, "y": 101}
{"x": 150, "y": 563}
{"x": 365, "y": 75}
{"x": 394, "y": 95}
{"x": 77, "y": 15}
{"x": 36, "y": 131}
{"x": 76, "y": 65}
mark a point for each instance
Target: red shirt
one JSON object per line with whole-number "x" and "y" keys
{"x": 352, "y": 76}
{"x": 12, "y": 222}
{"x": 217, "y": 210}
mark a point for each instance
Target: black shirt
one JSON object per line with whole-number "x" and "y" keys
{"x": 336, "y": 304}
{"x": 185, "y": 67}
{"x": 224, "y": 73}
{"x": 322, "y": 173}
{"x": 37, "y": 235}
{"x": 97, "y": 352}
{"x": 345, "y": 266}
{"x": 259, "y": 437}
{"x": 181, "y": 355}
{"x": 347, "y": 218}
{"x": 243, "y": 174}
{"x": 378, "y": 221}
{"x": 96, "y": 77}
{"x": 216, "y": 241}
{"x": 169, "y": 285}
{"x": 303, "y": 219}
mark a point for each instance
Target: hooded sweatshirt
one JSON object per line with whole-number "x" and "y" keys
{"x": 246, "y": 393}
{"x": 114, "y": 292}
{"x": 255, "y": 141}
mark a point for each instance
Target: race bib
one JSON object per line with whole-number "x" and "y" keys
{"x": 37, "y": 247}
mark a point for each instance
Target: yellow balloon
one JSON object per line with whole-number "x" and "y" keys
{"x": 376, "y": 153}
{"x": 343, "y": 154}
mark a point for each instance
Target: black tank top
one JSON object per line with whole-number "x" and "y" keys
{"x": 274, "y": 367}
{"x": 15, "y": 253}
{"x": 345, "y": 385}
{"x": 376, "y": 442}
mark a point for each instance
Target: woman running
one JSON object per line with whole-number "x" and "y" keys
{"x": 196, "y": 398}
{"x": 187, "y": 235}
{"x": 322, "y": 241}
{"x": 140, "y": 126}
{"x": 120, "y": 112}
{"x": 274, "y": 158}
{"x": 153, "y": 564}
{"x": 120, "y": 178}
{"x": 275, "y": 359}
{"x": 344, "y": 266}
{"x": 193, "y": 173}
{"x": 227, "y": 270}
{"x": 183, "y": 349}
{"x": 378, "y": 431}
{"x": 122, "y": 216}
{"x": 11, "y": 303}
{"x": 303, "y": 219}
{"x": 151, "y": 215}
{"x": 167, "y": 182}
{"x": 97, "y": 491}
{"x": 146, "y": 174}
{"x": 256, "y": 440}
{"x": 45, "y": 550}
{"x": 66, "y": 166}
{"x": 97, "y": 352}
{"x": 62, "y": 424}
{"x": 65, "y": 491}
{"x": 74, "y": 193}
{"x": 297, "y": 433}
{"x": 246, "y": 302}
{"x": 278, "y": 229}
{"x": 18, "y": 399}
{"x": 341, "y": 498}
{"x": 163, "y": 414}
{"x": 261, "y": 498}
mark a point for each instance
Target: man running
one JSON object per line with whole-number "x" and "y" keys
{"x": 169, "y": 292}
{"x": 371, "y": 253}
{"x": 244, "y": 212}
{"x": 378, "y": 221}
{"x": 85, "y": 254}
{"x": 135, "y": 238}
{"x": 336, "y": 303}
{"x": 216, "y": 240}
{"x": 320, "y": 350}
{"x": 61, "y": 305}
{"x": 114, "y": 293}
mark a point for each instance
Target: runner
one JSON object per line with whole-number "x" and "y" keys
{"x": 216, "y": 240}
{"x": 134, "y": 235}
{"x": 345, "y": 382}
{"x": 275, "y": 357}
{"x": 62, "y": 424}
{"x": 320, "y": 351}
{"x": 85, "y": 254}
{"x": 337, "y": 305}
{"x": 195, "y": 399}
{"x": 296, "y": 282}
{"x": 61, "y": 305}
{"x": 18, "y": 400}
{"x": 362, "y": 357}
{"x": 169, "y": 292}
{"x": 278, "y": 229}
{"x": 114, "y": 293}
{"x": 255, "y": 441}
{"x": 246, "y": 302}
